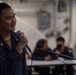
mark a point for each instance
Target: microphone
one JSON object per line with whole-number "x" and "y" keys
{"x": 28, "y": 48}
{"x": 62, "y": 55}
{"x": 21, "y": 40}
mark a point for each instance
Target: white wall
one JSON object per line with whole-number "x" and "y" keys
{"x": 27, "y": 12}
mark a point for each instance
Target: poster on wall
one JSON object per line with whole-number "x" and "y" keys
{"x": 43, "y": 19}
{"x": 62, "y": 6}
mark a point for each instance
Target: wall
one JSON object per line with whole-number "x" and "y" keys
{"x": 27, "y": 12}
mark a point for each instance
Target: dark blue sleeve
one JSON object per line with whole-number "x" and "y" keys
{"x": 37, "y": 56}
{"x": 25, "y": 71}
{"x": 15, "y": 56}
{"x": 2, "y": 59}
{"x": 70, "y": 52}
{"x": 3, "y": 65}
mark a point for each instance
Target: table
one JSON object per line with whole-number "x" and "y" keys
{"x": 50, "y": 63}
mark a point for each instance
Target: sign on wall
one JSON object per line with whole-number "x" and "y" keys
{"x": 43, "y": 20}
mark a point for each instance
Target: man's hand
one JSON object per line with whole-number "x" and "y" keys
{"x": 22, "y": 41}
{"x": 57, "y": 52}
{"x": 47, "y": 58}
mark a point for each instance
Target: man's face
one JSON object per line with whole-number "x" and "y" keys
{"x": 8, "y": 20}
{"x": 60, "y": 43}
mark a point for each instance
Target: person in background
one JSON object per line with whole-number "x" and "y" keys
{"x": 65, "y": 50}
{"x": 12, "y": 55}
{"x": 41, "y": 53}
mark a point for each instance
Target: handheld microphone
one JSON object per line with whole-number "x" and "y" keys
{"x": 19, "y": 33}
{"x": 28, "y": 48}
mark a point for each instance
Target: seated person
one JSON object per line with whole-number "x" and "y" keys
{"x": 65, "y": 50}
{"x": 41, "y": 53}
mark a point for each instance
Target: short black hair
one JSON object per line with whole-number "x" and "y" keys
{"x": 39, "y": 43}
{"x": 60, "y": 38}
{"x": 3, "y": 6}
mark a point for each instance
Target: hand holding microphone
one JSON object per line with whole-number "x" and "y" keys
{"x": 22, "y": 42}
{"x": 47, "y": 58}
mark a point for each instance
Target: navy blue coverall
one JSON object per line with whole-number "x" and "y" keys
{"x": 11, "y": 62}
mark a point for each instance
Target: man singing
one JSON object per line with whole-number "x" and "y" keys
{"x": 12, "y": 55}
